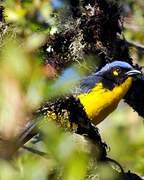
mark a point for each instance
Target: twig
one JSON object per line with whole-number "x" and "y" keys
{"x": 116, "y": 163}
{"x": 35, "y": 151}
{"x": 136, "y": 45}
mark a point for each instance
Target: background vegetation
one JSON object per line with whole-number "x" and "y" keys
{"x": 26, "y": 81}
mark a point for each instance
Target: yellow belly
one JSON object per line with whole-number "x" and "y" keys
{"x": 100, "y": 102}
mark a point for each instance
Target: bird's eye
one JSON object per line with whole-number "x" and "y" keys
{"x": 116, "y": 72}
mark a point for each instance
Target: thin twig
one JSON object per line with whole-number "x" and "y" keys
{"x": 116, "y": 163}
{"x": 35, "y": 151}
{"x": 136, "y": 45}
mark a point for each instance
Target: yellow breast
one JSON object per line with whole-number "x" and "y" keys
{"x": 100, "y": 102}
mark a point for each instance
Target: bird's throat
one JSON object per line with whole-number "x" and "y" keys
{"x": 100, "y": 102}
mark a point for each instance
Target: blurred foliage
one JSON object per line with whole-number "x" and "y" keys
{"x": 24, "y": 85}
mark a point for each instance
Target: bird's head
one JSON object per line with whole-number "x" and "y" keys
{"x": 116, "y": 73}
{"x": 111, "y": 75}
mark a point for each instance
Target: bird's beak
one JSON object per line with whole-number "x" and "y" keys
{"x": 134, "y": 73}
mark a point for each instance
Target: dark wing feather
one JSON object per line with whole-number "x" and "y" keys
{"x": 87, "y": 84}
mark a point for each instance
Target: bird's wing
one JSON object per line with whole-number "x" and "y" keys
{"x": 87, "y": 84}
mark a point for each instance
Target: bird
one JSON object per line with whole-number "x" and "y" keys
{"x": 90, "y": 102}
{"x": 101, "y": 92}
